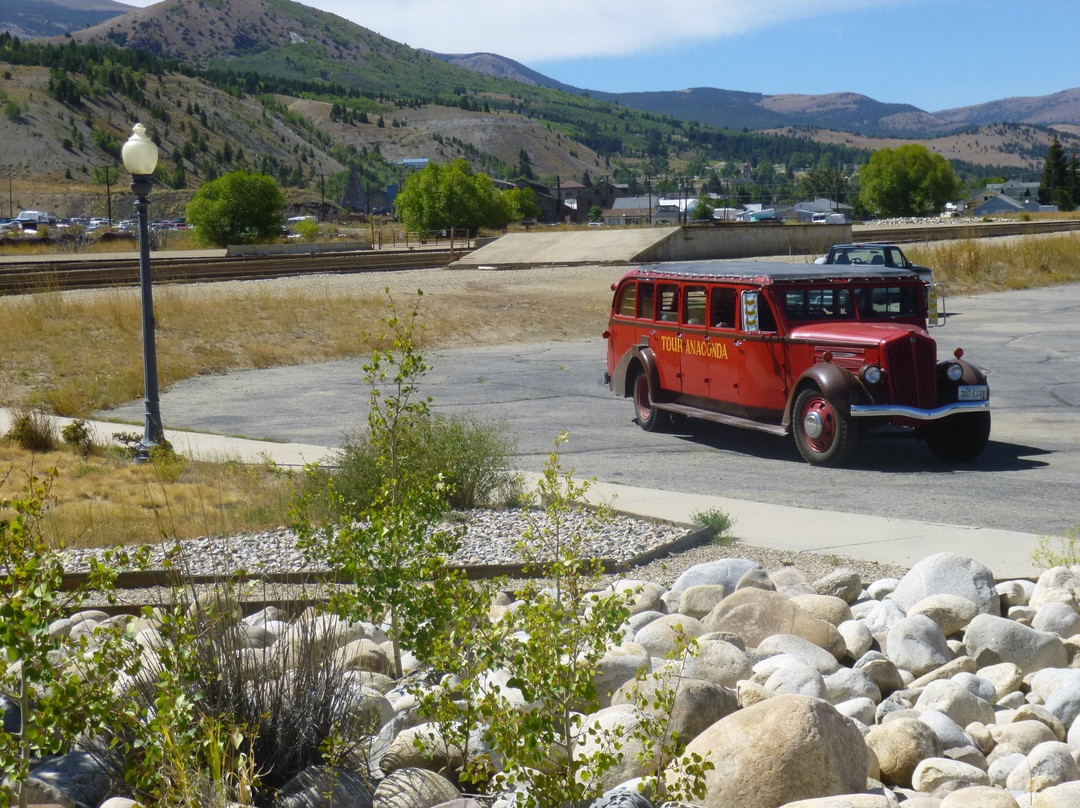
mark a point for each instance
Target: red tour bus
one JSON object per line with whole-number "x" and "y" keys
{"x": 825, "y": 353}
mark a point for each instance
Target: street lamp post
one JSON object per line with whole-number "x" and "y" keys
{"x": 140, "y": 159}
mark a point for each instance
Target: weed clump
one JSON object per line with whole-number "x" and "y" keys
{"x": 33, "y": 431}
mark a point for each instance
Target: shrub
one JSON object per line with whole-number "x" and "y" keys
{"x": 63, "y": 686}
{"x": 562, "y": 631}
{"x": 205, "y": 723}
{"x": 33, "y": 431}
{"x": 1060, "y": 551}
{"x": 77, "y": 436}
{"x": 718, "y": 521}
{"x": 473, "y": 456}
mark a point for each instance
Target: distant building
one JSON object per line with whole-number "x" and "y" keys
{"x": 601, "y": 195}
{"x": 1016, "y": 190}
{"x": 415, "y": 163}
{"x": 989, "y": 203}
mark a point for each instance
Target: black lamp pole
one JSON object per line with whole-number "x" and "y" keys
{"x": 153, "y": 434}
{"x": 140, "y": 158}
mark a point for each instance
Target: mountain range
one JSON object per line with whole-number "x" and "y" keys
{"x": 233, "y": 39}
{"x": 321, "y": 93}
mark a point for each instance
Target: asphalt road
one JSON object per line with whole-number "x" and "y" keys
{"x": 1028, "y": 478}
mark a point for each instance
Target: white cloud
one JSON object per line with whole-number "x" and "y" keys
{"x": 563, "y": 29}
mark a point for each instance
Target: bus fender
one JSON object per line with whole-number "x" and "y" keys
{"x": 638, "y": 355}
{"x": 832, "y": 380}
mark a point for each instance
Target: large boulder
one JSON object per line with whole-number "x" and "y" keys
{"x": 698, "y": 704}
{"x": 917, "y": 644}
{"x": 413, "y": 788}
{"x": 620, "y": 664}
{"x": 901, "y": 744}
{"x": 725, "y": 571}
{"x": 756, "y": 614}
{"x": 991, "y": 640}
{"x": 662, "y": 636}
{"x": 717, "y": 661}
{"x": 949, "y": 574}
{"x": 322, "y": 787}
{"x": 783, "y": 749}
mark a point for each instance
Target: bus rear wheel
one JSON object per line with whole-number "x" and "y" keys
{"x": 649, "y": 417}
{"x": 823, "y": 434}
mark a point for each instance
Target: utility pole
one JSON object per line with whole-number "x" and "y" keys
{"x": 108, "y": 190}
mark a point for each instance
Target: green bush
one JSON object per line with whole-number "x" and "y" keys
{"x": 33, "y": 431}
{"x": 720, "y": 523}
{"x": 472, "y": 455}
{"x": 77, "y": 436}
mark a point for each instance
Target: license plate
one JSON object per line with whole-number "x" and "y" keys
{"x": 972, "y": 392}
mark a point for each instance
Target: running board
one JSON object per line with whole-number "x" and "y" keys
{"x": 722, "y": 418}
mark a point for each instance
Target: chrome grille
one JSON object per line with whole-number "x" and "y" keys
{"x": 912, "y": 371}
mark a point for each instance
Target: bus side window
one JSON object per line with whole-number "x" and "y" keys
{"x": 668, "y": 303}
{"x": 628, "y": 300}
{"x": 694, "y": 305}
{"x": 723, "y": 307}
{"x": 645, "y": 301}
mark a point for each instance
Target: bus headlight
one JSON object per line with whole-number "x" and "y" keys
{"x": 954, "y": 372}
{"x": 871, "y": 374}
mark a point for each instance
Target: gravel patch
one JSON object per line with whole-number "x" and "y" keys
{"x": 491, "y": 538}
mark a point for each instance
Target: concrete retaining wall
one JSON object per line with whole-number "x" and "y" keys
{"x": 701, "y": 242}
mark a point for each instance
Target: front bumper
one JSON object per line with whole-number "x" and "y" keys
{"x": 900, "y": 411}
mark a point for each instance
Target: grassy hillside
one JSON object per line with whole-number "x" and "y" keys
{"x": 303, "y": 95}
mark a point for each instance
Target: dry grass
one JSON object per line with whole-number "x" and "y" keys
{"x": 991, "y": 265}
{"x": 76, "y": 353}
{"x": 105, "y": 500}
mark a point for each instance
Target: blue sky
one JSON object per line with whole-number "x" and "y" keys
{"x": 935, "y": 54}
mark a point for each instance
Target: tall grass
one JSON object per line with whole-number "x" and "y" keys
{"x": 970, "y": 266}
{"x": 80, "y": 352}
{"x": 105, "y": 500}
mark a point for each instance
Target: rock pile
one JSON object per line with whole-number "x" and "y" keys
{"x": 943, "y": 689}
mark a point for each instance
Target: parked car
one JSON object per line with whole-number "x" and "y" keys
{"x": 885, "y": 255}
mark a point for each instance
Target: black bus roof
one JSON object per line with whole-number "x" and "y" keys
{"x": 762, "y": 272}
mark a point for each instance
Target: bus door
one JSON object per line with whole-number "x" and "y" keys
{"x": 664, "y": 339}
{"x": 721, "y": 320}
{"x": 694, "y": 344}
{"x": 761, "y": 384}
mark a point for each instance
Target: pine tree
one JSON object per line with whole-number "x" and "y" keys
{"x": 1074, "y": 181}
{"x": 1054, "y": 174}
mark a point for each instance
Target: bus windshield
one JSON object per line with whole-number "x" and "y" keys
{"x": 862, "y": 303}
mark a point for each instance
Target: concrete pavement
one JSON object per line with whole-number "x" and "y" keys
{"x": 892, "y": 541}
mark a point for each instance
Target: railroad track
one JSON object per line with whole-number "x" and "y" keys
{"x": 54, "y": 275}
{"x": 906, "y": 234}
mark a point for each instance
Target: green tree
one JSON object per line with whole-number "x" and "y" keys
{"x": 237, "y": 208}
{"x": 394, "y": 550}
{"x": 1055, "y": 187}
{"x": 1074, "y": 180}
{"x": 450, "y": 195}
{"x": 907, "y": 181}
{"x": 825, "y": 181}
{"x": 703, "y": 208}
{"x": 596, "y": 214}
{"x": 523, "y": 204}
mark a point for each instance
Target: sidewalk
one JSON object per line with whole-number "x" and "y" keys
{"x": 873, "y": 538}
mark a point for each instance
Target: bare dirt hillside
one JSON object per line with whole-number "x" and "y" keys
{"x": 1009, "y": 146}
